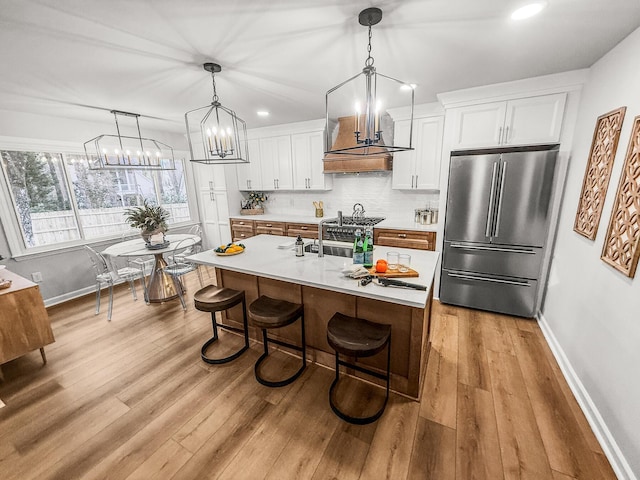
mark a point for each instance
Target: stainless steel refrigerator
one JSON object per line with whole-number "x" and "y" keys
{"x": 496, "y": 226}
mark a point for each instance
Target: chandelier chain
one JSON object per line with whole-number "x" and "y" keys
{"x": 215, "y": 93}
{"x": 369, "y": 61}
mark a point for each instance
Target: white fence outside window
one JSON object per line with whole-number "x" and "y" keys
{"x": 56, "y": 227}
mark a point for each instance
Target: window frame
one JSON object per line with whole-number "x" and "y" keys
{"x": 10, "y": 222}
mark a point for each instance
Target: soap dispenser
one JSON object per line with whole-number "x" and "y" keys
{"x": 299, "y": 247}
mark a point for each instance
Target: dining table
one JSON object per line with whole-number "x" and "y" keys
{"x": 161, "y": 286}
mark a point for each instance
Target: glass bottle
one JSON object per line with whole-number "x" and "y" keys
{"x": 358, "y": 248}
{"x": 368, "y": 247}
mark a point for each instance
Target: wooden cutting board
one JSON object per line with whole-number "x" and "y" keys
{"x": 394, "y": 273}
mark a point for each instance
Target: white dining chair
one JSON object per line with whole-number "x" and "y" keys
{"x": 180, "y": 266}
{"x": 107, "y": 274}
{"x": 191, "y": 249}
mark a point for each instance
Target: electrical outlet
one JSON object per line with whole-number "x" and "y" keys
{"x": 36, "y": 277}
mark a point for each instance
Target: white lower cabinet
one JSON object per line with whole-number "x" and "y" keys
{"x": 419, "y": 169}
{"x": 307, "y": 154}
{"x": 523, "y": 121}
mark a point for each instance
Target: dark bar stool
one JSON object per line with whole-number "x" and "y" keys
{"x": 214, "y": 299}
{"x": 266, "y": 313}
{"x": 358, "y": 338}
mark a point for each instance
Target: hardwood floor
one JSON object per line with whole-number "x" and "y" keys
{"x": 131, "y": 399}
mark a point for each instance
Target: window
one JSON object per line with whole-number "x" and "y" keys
{"x": 58, "y": 199}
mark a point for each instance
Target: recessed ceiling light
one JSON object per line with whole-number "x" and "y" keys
{"x": 263, "y": 113}
{"x": 528, "y": 10}
{"x": 408, "y": 86}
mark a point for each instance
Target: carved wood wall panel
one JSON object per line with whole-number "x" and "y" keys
{"x": 621, "y": 244}
{"x": 598, "y": 172}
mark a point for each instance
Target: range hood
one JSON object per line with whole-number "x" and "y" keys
{"x": 377, "y": 159}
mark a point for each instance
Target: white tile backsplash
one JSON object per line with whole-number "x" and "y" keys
{"x": 372, "y": 190}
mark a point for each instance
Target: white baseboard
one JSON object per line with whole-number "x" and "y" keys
{"x": 603, "y": 434}
{"x": 49, "y": 302}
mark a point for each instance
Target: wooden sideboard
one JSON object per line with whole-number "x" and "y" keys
{"x": 24, "y": 322}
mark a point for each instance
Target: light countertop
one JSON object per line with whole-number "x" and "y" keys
{"x": 391, "y": 223}
{"x": 263, "y": 258}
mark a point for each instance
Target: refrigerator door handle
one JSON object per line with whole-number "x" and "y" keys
{"x": 487, "y": 232}
{"x": 493, "y": 249}
{"x": 503, "y": 175}
{"x": 487, "y": 279}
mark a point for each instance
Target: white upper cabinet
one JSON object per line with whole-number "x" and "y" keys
{"x": 308, "y": 151}
{"x": 285, "y": 157}
{"x": 249, "y": 177}
{"x": 524, "y": 121}
{"x": 419, "y": 168}
{"x": 275, "y": 163}
{"x": 534, "y": 120}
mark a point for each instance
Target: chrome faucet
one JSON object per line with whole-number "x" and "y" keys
{"x": 320, "y": 247}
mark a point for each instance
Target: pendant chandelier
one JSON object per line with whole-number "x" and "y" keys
{"x": 113, "y": 152}
{"x": 360, "y": 104}
{"x": 215, "y": 133}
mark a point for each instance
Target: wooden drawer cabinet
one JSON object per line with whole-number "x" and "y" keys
{"x": 270, "y": 228}
{"x": 24, "y": 322}
{"x": 305, "y": 230}
{"x": 404, "y": 238}
{"x": 241, "y": 229}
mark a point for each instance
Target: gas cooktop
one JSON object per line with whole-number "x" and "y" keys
{"x": 332, "y": 230}
{"x": 359, "y": 221}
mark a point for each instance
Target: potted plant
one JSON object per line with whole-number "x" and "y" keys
{"x": 150, "y": 219}
{"x": 253, "y": 205}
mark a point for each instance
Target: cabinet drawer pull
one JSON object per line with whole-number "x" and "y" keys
{"x": 269, "y": 225}
{"x": 304, "y": 228}
{"x": 402, "y": 235}
{"x": 242, "y": 234}
{"x": 240, "y": 223}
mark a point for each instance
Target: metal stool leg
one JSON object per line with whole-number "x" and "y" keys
{"x": 303, "y": 349}
{"x": 212, "y": 340}
{"x": 378, "y": 414}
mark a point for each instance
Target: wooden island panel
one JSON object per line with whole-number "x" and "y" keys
{"x": 409, "y": 326}
{"x": 24, "y": 322}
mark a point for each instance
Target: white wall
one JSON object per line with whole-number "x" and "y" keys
{"x": 592, "y": 312}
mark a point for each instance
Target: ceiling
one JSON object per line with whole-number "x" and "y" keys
{"x": 81, "y": 58}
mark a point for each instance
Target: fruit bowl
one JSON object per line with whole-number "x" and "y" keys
{"x": 229, "y": 249}
{"x": 225, "y": 254}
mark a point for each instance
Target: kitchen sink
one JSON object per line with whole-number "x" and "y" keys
{"x": 335, "y": 250}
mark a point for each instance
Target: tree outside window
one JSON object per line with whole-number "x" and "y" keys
{"x": 57, "y": 198}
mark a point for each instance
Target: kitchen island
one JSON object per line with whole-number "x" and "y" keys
{"x": 268, "y": 266}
